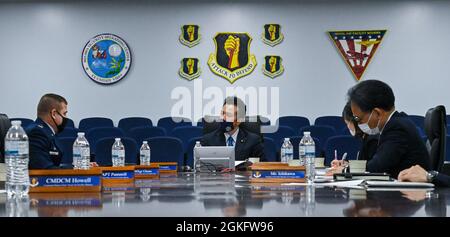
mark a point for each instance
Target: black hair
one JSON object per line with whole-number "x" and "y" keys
{"x": 371, "y": 94}
{"x": 49, "y": 102}
{"x": 347, "y": 115}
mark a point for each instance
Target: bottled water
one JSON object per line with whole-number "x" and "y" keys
{"x": 118, "y": 153}
{"x": 81, "y": 153}
{"x": 287, "y": 151}
{"x": 196, "y": 159}
{"x": 307, "y": 153}
{"x": 145, "y": 153}
{"x": 16, "y": 158}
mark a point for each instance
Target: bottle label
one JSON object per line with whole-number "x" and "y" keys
{"x": 310, "y": 149}
{"x": 16, "y": 148}
{"x": 76, "y": 152}
{"x": 145, "y": 153}
{"x": 85, "y": 152}
{"x": 302, "y": 150}
{"x": 118, "y": 153}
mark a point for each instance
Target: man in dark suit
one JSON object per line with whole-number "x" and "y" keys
{"x": 418, "y": 174}
{"x": 247, "y": 144}
{"x": 45, "y": 152}
{"x": 400, "y": 145}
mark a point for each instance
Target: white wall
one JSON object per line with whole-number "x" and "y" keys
{"x": 41, "y": 44}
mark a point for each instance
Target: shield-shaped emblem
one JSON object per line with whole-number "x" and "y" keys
{"x": 272, "y": 34}
{"x": 272, "y": 66}
{"x": 189, "y": 68}
{"x": 232, "y": 59}
{"x": 357, "y": 48}
{"x": 190, "y": 35}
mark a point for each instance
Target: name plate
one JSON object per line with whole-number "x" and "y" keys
{"x": 67, "y": 200}
{"x": 117, "y": 175}
{"x": 269, "y": 173}
{"x": 146, "y": 171}
{"x": 64, "y": 180}
{"x": 167, "y": 167}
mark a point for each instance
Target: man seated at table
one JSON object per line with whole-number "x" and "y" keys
{"x": 247, "y": 144}
{"x": 400, "y": 145}
{"x": 45, "y": 152}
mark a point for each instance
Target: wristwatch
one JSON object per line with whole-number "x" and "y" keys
{"x": 431, "y": 175}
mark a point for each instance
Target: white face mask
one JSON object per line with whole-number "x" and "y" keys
{"x": 367, "y": 130}
{"x": 352, "y": 132}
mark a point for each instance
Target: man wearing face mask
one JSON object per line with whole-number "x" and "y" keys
{"x": 400, "y": 145}
{"x": 45, "y": 153}
{"x": 247, "y": 144}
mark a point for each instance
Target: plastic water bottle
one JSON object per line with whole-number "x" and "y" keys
{"x": 118, "y": 153}
{"x": 16, "y": 159}
{"x": 307, "y": 151}
{"x": 287, "y": 151}
{"x": 196, "y": 159}
{"x": 145, "y": 153}
{"x": 81, "y": 153}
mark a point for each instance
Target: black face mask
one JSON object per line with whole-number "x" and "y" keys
{"x": 61, "y": 126}
{"x": 226, "y": 126}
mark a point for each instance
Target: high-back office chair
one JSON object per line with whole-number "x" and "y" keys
{"x": 186, "y": 133}
{"x": 281, "y": 133}
{"x": 270, "y": 150}
{"x": 294, "y": 122}
{"x": 342, "y": 144}
{"x": 166, "y": 149}
{"x": 335, "y": 121}
{"x": 95, "y": 134}
{"x": 5, "y": 124}
{"x": 68, "y": 132}
{"x": 169, "y": 123}
{"x": 418, "y": 120}
{"x": 103, "y": 151}
{"x": 139, "y": 134}
{"x": 66, "y": 144}
{"x": 435, "y": 129}
{"x": 25, "y": 121}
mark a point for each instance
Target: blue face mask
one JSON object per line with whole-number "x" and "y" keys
{"x": 367, "y": 130}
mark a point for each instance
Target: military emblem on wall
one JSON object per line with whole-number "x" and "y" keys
{"x": 232, "y": 59}
{"x": 106, "y": 58}
{"x": 357, "y": 48}
{"x": 190, "y": 35}
{"x": 190, "y": 68}
{"x": 272, "y": 34}
{"x": 272, "y": 66}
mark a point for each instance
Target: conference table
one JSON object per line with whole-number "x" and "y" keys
{"x": 228, "y": 194}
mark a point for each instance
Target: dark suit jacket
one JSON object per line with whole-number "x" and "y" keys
{"x": 368, "y": 148}
{"x": 442, "y": 180}
{"x": 399, "y": 147}
{"x": 247, "y": 145}
{"x": 44, "y": 150}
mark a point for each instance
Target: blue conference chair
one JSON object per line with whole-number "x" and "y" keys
{"x": 66, "y": 145}
{"x": 94, "y": 122}
{"x": 294, "y": 122}
{"x": 166, "y": 149}
{"x": 320, "y": 132}
{"x": 280, "y": 134}
{"x": 139, "y": 134}
{"x": 296, "y": 140}
{"x": 190, "y": 151}
{"x": 420, "y": 131}
{"x": 169, "y": 123}
{"x": 95, "y": 134}
{"x": 68, "y": 132}
{"x": 270, "y": 150}
{"x": 70, "y": 123}
{"x": 186, "y": 133}
{"x": 448, "y": 119}
{"x": 345, "y": 131}
{"x": 342, "y": 144}
{"x": 25, "y": 121}
{"x": 447, "y": 148}
{"x": 448, "y": 130}
{"x": 336, "y": 122}
{"x": 132, "y": 122}
{"x": 418, "y": 120}
{"x": 103, "y": 151}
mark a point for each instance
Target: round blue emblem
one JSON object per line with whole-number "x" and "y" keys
{"x": 106, "y": 58}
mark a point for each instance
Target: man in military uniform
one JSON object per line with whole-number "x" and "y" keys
{"x": 45, "y": 153}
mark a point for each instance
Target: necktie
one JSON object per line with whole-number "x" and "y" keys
{"x": 230, "y": 141}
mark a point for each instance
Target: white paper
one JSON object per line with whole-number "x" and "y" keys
{"x": 236, "y": 163}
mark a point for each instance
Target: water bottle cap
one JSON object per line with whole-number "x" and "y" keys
{"x": 16, "y": 122}
{"x": 197, "y": 142}
{"x": 80, "y": 134}
{"x": 117, "y": 139}
{"x": 306, "y": 133}
{"x": 287, "y": 139}
{"x": 144, "y": 142}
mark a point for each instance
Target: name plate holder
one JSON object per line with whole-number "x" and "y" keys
{"x": 146, "y": 171}
{"x": 117, "y": 175}
{"x": 65, "y": 180}
{"x": 167, "y": 167}
{"x": 278, "y": 173}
